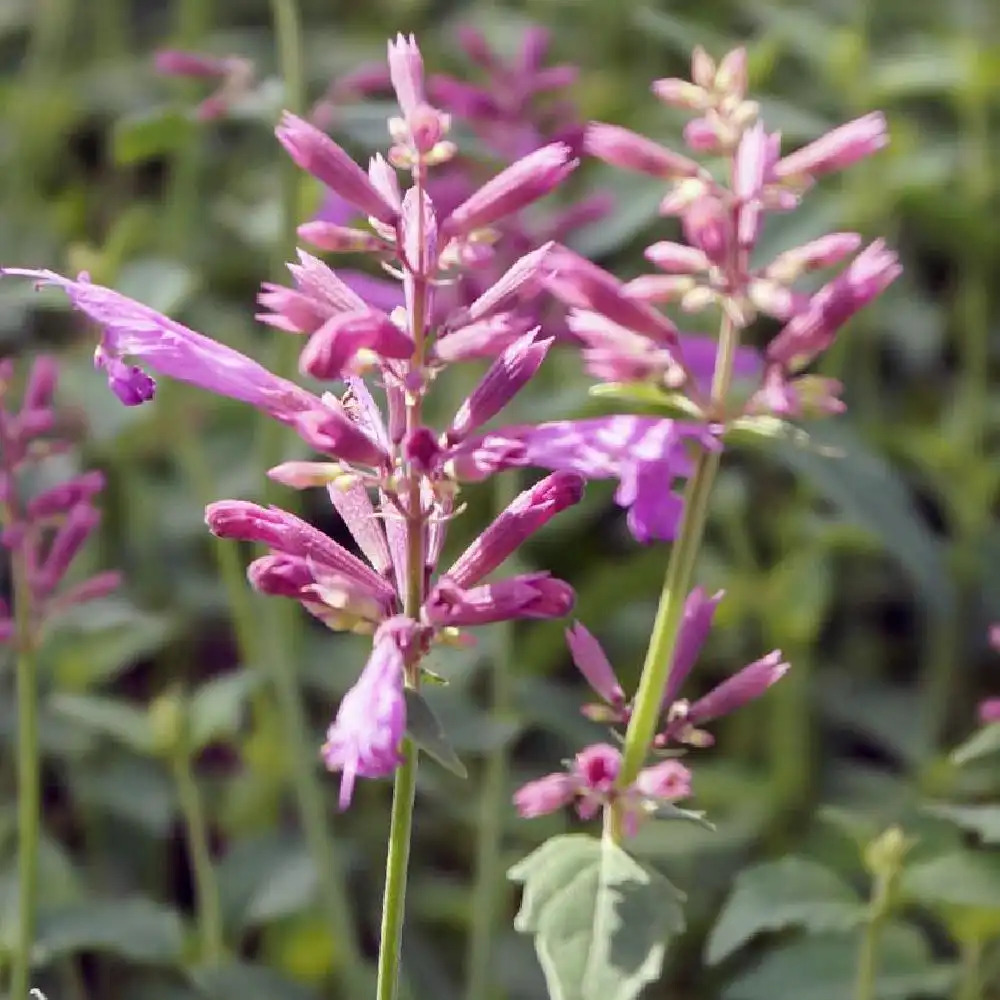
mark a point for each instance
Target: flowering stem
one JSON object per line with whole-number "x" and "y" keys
{"x": 28, "y": 776}
{"x": 970, "y": 985}
{"x": 492, "y": 803}
{"x": 680, "y": 569}
{"x": 404, "y": 788}
{"x": 196, "y": 833}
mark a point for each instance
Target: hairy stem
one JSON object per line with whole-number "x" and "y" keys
{"x": 489, "y": 869}
{"x": 28, "y": 776}
{"x": 680, "y": 570}
{"x": 196, "y": 834}
{"x": 405, "y": 784}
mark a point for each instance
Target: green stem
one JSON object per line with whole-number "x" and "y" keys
{"x": 680, "y": 570}
{"x": 28, "y": 777}
{"x": 871, "y": 938}
{"x": 970, "y": 986}
{"x": 196, "y": 833}
{"x": 489, "y": 869}
{"x": 404, "y": 792}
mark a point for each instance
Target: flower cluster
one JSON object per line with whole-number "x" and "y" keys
{"x": 625, "y": 340}
{"x": 680, "y": 720}
{"x": 43, "y": 529}
{"x": 466, "y": 274}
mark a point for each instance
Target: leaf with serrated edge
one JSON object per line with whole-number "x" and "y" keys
{"x": 423, "y": 727}
{"x": 792, "y": 892}
{"x": 601, "y": 919}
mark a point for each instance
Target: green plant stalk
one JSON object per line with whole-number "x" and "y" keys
{"x": 680, "y": 570}
{"x": 28, "y": 778}
{"x": 486, "y": 892}
{"x": 970, "y": 984}
{"x": 871, "y": 937}
{"x": 196, "y": 834}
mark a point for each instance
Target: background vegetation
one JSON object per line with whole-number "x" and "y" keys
{"x": 181, "y": 718}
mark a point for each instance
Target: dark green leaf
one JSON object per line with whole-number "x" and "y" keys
{"x": 423, "y": 728}
{"x": 792, "y": 892}
{"x": 151, "y": 134}
{"x": 825, "y": 968}
{"x": 118, "y": 720}
{"x": 983, "y": 820}
{"x": 601, "y": 919}
{"x": 959, "y": 879}
{"x": 215, "y": 710}
{"x": 239, "y": 980}
{"x": 137, "y": 929}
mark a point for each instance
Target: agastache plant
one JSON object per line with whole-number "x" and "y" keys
{"x": 44, "y": 527}
{"x": 459, "y": 294}
{"x": 393, "y": 480}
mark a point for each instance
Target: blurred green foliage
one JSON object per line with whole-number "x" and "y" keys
{"x": 877, "y": 570}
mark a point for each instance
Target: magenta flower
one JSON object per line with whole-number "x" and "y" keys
{"x": 48, "y": 529}
{"x": 364, "y": 739}
{"x": 645, "y": 454}
{"x": 590, "y": 783}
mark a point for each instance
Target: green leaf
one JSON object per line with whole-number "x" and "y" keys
{"x": 264, "y": 879}
{"x": 963, "y": 879}
{"x": 673, "y": 404}
{"x": 423, "y": 727}
{"x": 670, "y": 811}
{"x": 983, "y": 820}
{"x": 150, "y": 134}
{"x": 241, "y": 979}
{"x": 215, "y": 711}
{"x": 792, "y": 892}
{"x": 825, "y": 968}
{"x": 983, "y": 743}
{"x": 140, "y": 930}
{"x": 119, "y": 720}
{"x": 870, "y": 494}
{"x": 601, "y": 919}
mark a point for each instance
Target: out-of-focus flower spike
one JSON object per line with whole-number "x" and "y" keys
{"x": 592, "y": 662}
{"x": 667, "y": 781}
{"x": 621, "y": 147}
{"x": 77, "y": 527}
{"x": 577, "y": 282}
{"x": 731, "y": 76}
{"x": 680, "y": 93}
{"x": 525, "y": 181}
{"x": 836, "y": 150}
{"x": 677, "y": 258}
{"x": 40, "y": 386}
{"x": 989, "y": 711}
{"x": 65, "y": 496}
{"x": 527, "y": 514}
{"x": 340, "y": 239}
{"x": 92, "y": 589}
{"x": 320, "y": 156}
{"x": 702, "y": 68}
{"x": 303, "y": 475}
{"x": 502, "y": 381}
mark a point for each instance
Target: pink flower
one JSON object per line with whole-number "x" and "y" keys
{"x": 529, "y": 595}
{"x": 526, "y": 514}
{"x": 525, "y": 181}
{"x": 591, "y": 661}
{"x": 320, "y": 156}
{"x": 546, "y": 795}
{"x": 364, "y": 739}
{"x": 836, "y": 150}
{"x": 626, "y": 149}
